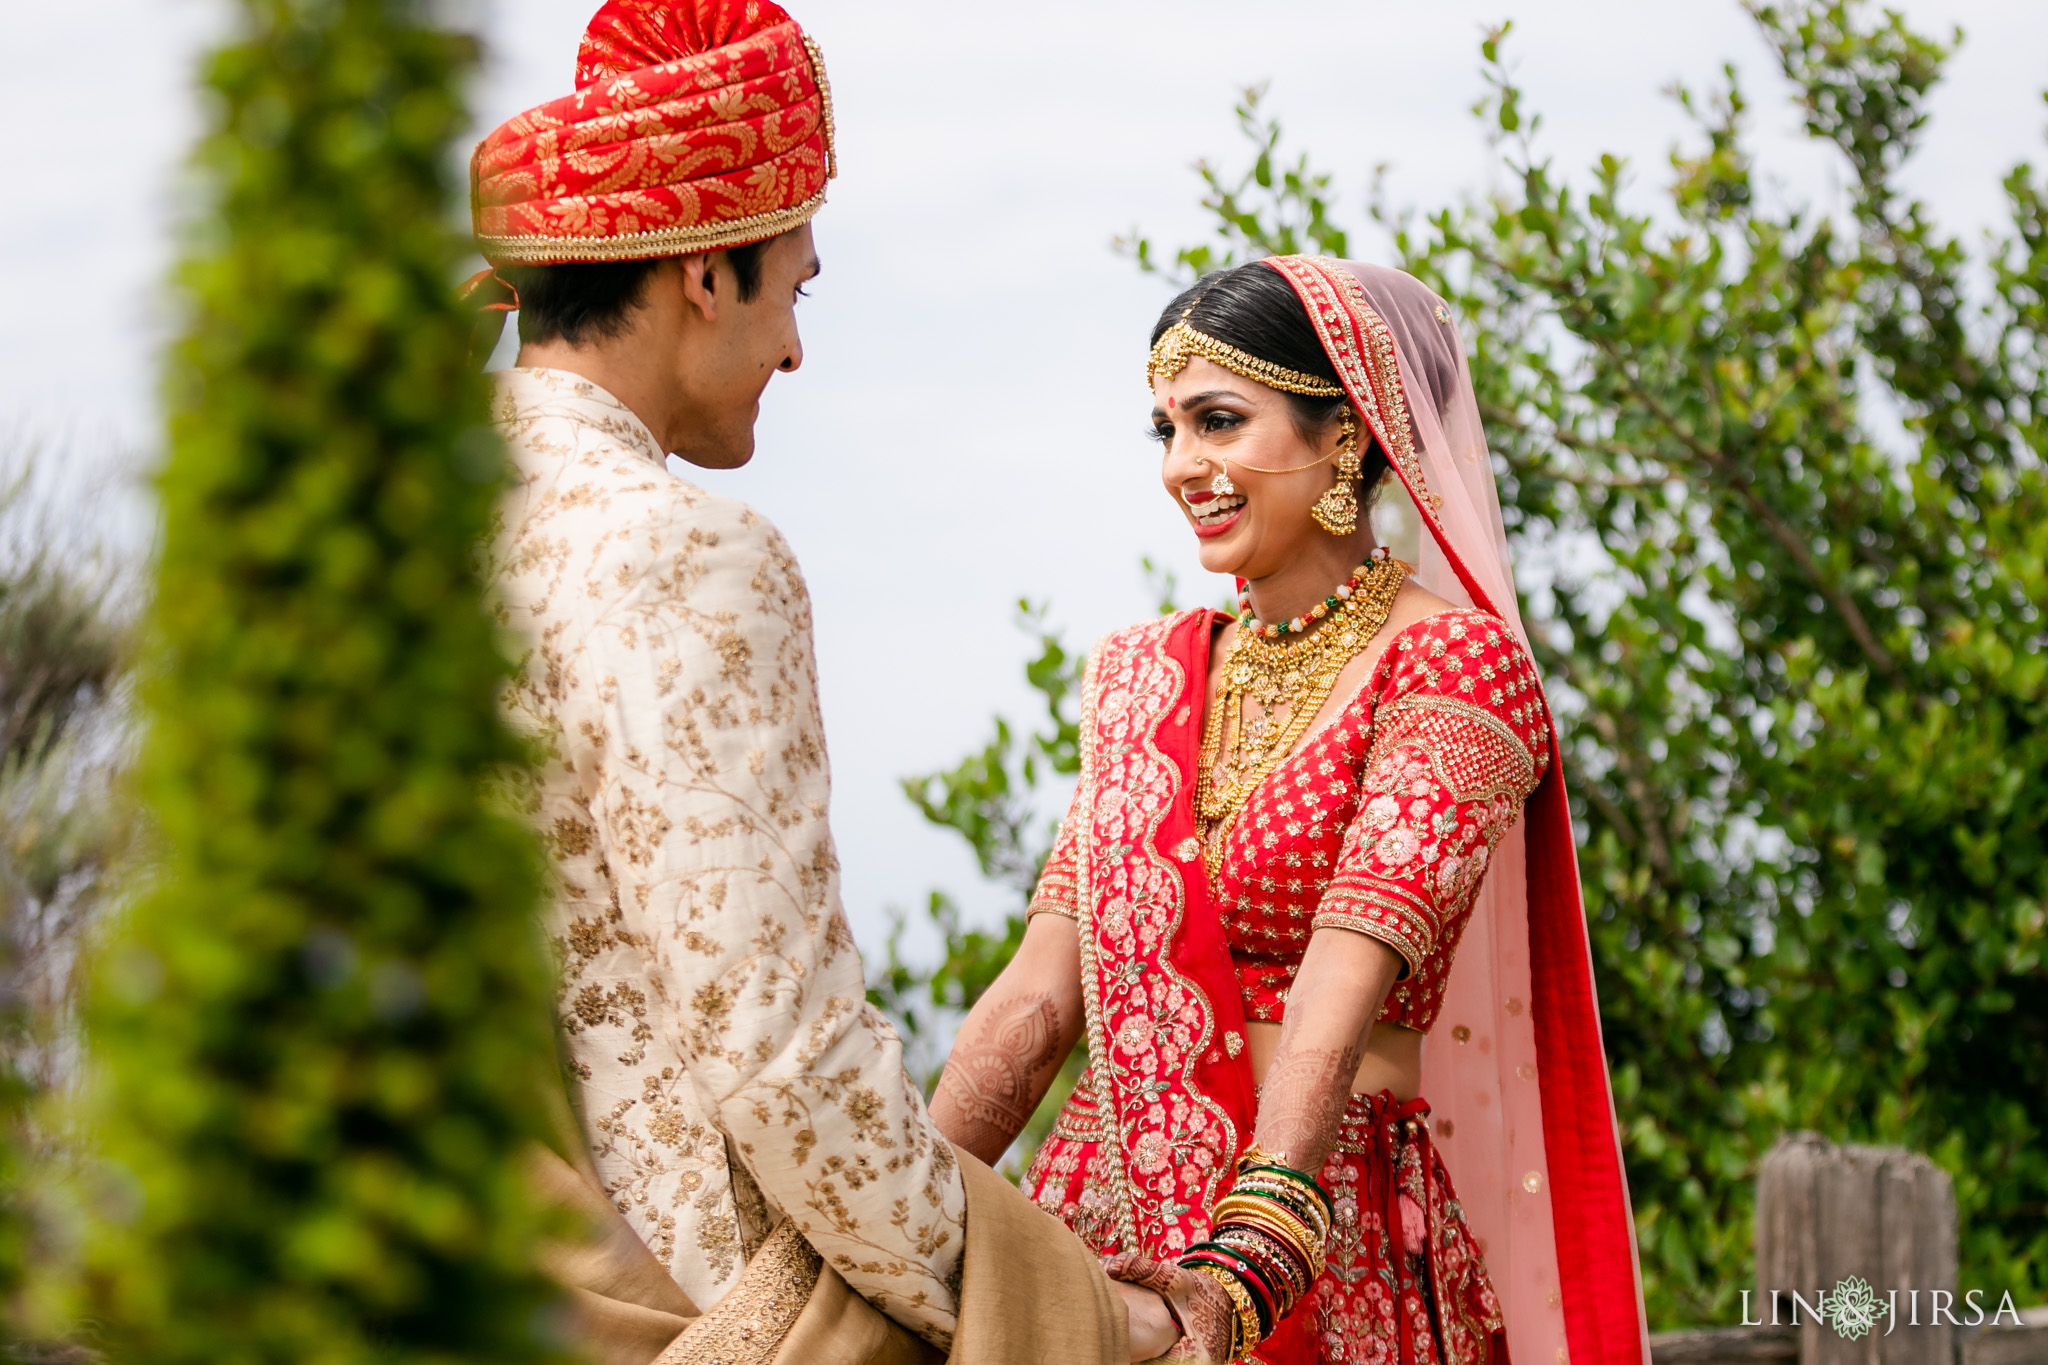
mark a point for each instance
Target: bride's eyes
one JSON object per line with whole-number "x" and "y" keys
{"x": 1210, "y": 424}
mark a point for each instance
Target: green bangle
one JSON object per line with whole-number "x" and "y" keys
{"x": 1299, "y": 1179}
{"x": 1289, "y": 1196}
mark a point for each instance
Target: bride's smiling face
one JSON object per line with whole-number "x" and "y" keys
{"x": 1205, "y": 416}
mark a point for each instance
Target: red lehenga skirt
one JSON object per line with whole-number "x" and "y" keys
{"x": 1405, "y": 1283}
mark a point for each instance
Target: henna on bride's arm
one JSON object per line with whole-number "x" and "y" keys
{"x": 1303, "y": 1101}
{"x": 1010, "y": 1049}
{"x": 1336, "y": 995}
{"x": 998, "y": 1071}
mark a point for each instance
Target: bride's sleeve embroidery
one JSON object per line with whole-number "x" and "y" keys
{"x": 1461, "y": 736}
{"x": 1055, "y": 894}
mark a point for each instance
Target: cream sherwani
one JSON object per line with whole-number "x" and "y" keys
{"x": 732, "y": 1070}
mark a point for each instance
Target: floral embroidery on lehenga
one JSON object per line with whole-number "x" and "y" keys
{"x": 1405, "y": 1280}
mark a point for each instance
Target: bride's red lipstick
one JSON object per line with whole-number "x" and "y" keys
{"x": 1209, "y": 530}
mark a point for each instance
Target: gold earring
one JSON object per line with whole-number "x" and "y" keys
{"x": 1337, "y": 510}
{"x": 1221, "y": 485}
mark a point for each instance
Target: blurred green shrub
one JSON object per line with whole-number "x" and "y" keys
{"x": 1783, "y": 471}
{"x": 321, "y": 1032}
{"x": 63, "y": 652}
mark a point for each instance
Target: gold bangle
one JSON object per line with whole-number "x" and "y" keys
{"x": 1290, "y": 1197}
{"x": 1282, "y": 1225}
{"x": 1276, "y": 1168}
{"x": 1256, "y": 1155}
{"x": 1250, "y": 1244}
{"x": 1260, "y": 1164}
{"x": 1246, "y": 1334}
{"x": 1311, "y": 1262}
{"x": 1276, "y": 1163}
{"x": 1235, "y": 1206}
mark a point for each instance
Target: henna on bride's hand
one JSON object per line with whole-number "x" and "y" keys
{"x": 994, "y": 1079}
{"x": 1303, "y": 1101}
{"x": 1207, "y": 1315}
{"x": 1204, "y": 1308}
{"x": 1135, "y": 1267}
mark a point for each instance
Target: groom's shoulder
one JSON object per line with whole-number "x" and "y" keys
{"x": 676, "y": 535}
{"x": 621, "y": 535}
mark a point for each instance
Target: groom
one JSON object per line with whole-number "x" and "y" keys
{"x": 761, "y": 1176}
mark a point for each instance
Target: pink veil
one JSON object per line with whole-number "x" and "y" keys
{"x": 1514, "y": 1069}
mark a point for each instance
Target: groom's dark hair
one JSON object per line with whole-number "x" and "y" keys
{"x": 592, "y": 300}
{"x": 1255, "y": 309}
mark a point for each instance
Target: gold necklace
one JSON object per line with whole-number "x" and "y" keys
{"x": 1293, "y": 673}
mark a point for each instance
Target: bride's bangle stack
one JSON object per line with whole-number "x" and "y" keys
{"x": 1265, "y": 1245}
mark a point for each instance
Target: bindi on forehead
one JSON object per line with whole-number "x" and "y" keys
{"x": 1169, "y": 400}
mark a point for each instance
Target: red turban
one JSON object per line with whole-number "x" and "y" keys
{"x": 696, "y": 125}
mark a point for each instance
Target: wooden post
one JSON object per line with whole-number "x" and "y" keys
{"x": 1828, "y": 1214}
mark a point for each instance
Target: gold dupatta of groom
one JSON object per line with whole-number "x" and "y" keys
{"x": 1029, "y": 1291}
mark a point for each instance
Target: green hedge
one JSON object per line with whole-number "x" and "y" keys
{"x": 323, "y": 1028}
{"x": 63, "y": 650}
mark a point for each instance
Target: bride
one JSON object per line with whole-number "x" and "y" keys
{"x": 1315, "y": 905}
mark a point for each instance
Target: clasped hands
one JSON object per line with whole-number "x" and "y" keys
{"x": 1175, "y": 1313}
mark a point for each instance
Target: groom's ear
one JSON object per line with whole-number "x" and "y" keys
{"x": 700, "y": 284}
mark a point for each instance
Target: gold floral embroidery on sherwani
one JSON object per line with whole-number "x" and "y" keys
{"x": 732, "y": 1070}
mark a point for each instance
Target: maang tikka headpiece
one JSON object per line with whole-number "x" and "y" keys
{"x": 1180, "y": 343}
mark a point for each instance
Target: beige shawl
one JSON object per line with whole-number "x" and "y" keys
{"x": 1030, "y": 1292}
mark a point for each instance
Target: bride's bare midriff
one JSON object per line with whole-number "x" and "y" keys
{"x": 1393, "y": 1059}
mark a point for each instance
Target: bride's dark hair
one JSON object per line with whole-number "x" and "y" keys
{"x": 1255, "y": 309}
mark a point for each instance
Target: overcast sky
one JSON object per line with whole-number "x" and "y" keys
{"x": 966, "y": 427}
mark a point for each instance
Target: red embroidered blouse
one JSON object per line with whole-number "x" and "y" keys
{"x": 1384, "y": 822}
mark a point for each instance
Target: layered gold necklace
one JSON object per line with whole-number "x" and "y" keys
{"x": 1288, "y": 672}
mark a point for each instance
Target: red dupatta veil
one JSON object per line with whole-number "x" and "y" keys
{"x": 1515, "y": 1072}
